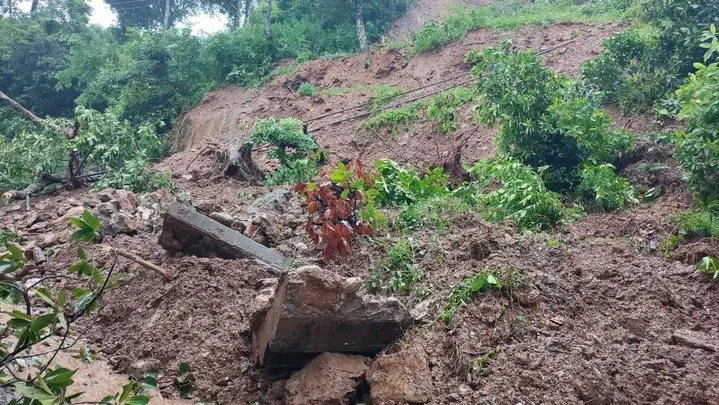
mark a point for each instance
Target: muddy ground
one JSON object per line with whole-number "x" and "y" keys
{"x": 594, "y": 320}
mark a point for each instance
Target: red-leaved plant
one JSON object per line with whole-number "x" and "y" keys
{"x": 339, "y": 208}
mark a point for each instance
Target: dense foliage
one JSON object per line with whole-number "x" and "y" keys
{"x": 35, "y": 326}
{"x": 544, "y": 120}
{"x": 643, "y": 63}
{"x": 697, "y": 147}
{"x": 296, "y": 151}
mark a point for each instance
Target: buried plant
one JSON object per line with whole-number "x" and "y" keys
{"x": 339, "y": 208}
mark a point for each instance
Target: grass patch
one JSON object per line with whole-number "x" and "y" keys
{"x": 397, "y": 273}
{"x": 483, "y": 281}
{"x": 437, "y": 213}
{"x": 512, "y": 14}
{"x": 442, "y": 109}
{"x": 7, "y": 236}
{"x": 307, "y": 89}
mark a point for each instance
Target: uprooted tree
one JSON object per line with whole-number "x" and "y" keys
{"x": 58, "y": 152}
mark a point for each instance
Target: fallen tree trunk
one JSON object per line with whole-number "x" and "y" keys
{"x": 236, "y": 161}
{"x": 74, "y": 165}
{"x": 34, "y": 118}
{"x": 35, "y": 188}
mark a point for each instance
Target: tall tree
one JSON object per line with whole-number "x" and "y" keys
{"x": 166, "y": 22}
{"x": 153, "y": 13}
{"x": 361, "y": 32}
{"x": 268, "y": 15}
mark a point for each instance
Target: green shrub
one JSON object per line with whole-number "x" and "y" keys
{"x": 397, "y": 186}
{"x": 307, "y": 89}
{"x": 697, "y": 147}
{"x": 696, "y": 224}
{"x": 602, "y": 188}
{"x": 710, "y": 266}
{"x": 626, "y": 71}
{"x": 297, "y": 152}
{"x": 509, "y": 190}
{"x": 639, "y": 66}
{"x": 137, "y": 177}
{"x": 544, "y": 120}
{"x": 483, "y": 281}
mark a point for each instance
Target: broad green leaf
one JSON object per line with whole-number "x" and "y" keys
{"x": 79, "y": 224}
{"x": 81, "y": 253}
{"x": 84, "y": 235}
{"x": 91, "y": 220}
{"x": 42, "y": 321}
{"x": 138, "y": 400}
{"x": 61, "y": 377}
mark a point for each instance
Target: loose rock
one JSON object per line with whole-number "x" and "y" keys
{"x": 401, "y": 378}
{"x": 223, "y": 218}
{"x": 329, "y": 379}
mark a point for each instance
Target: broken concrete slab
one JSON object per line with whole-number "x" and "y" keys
{"x": 186, "y": 230}
{"x": 315, "y": 311}
{"x": 329, "y": 379}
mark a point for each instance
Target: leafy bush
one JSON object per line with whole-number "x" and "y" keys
{"x": 601, "y": 187}
{"x": 626, "y": 71}
{"x": 544, "y": 120}
{"x": 297, "y": 152}
{"x": 697, "y": 148}
{"x": 104, "y": 140}
{"x": 639, "y": 66}
{"x": 307, "y": 89}
{"x": 698, "y": 223}
{"x": 397, "y": 186}
{"x": 60, "y": 312}
{"x": 396, "y": 273}
{"x": 340, "y": 208}
{"x": 137, "y": 177}
{"x": 508, "y": 189}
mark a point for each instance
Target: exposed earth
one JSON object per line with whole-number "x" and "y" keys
{"x": 601, "y": 316}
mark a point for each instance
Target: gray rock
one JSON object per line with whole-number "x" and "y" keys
{"x": 276, "y": 200}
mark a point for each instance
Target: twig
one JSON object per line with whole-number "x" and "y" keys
{"x": 144, "y": 263}
{"x": 197, "y": 156}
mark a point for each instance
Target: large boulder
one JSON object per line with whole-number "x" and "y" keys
{"x": 329, "y": 379}
{"x": 400, "y": 378}
{"x": 315, "y": 311}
